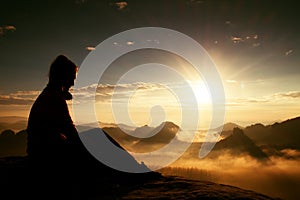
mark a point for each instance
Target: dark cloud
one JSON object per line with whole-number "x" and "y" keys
{"x": 291, "y": 94}
{"x": 246, "y": 101}
{"x": 5, "y": 29}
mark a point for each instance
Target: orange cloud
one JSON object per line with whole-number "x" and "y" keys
{"x": 4, "y": 29}
{"x": 19, "y": 98}
{"x": 121, "y": 5}
{"x": 90, "y": 48}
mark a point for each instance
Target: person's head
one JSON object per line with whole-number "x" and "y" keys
{"x": 62, "y": 72}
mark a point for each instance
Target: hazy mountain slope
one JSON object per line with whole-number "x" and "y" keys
{"x": 281, "y": 135}
{"x": 12, "y": 144}
{"x": 14, "y": 123}
{"x": 238, "y": 144}
{"x": 150, "y": 140}
{"x": 272, "y": 138}
{"x": 229, "y": 126}
{"x": 258, "y": 133}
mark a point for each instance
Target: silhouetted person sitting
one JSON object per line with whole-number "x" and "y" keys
{"x": 53, "y": 143}
{"x": 52, "y": 137}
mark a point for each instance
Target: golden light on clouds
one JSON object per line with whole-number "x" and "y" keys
{"x": 140, "y": 103}
{"x": 153, "y": 107}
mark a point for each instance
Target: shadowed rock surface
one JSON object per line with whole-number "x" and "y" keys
{"x": 17, "y": 181}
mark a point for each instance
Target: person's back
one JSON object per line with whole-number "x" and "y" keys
{"x": 51, "y": 132}
{"x": 49, "y": 123}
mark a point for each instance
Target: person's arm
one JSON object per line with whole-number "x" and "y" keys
{"x": 67, "y": 127}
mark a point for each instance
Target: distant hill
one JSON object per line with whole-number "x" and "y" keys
{"x": 255, "y": 140}
{"x": 104, "y": 125}
{"x": 12, "y": 119}
{"x": 121, "y": 137}
{"x": 280, "y": 135}
{"x": 229, "y": 126}
{"x": 271, "y": 139}
{"x": 226, "y": 129}
{"x": 160, "y": 136}
{"x": 152, "y": 138}
{"x": 14, "y": 123}
{"x": 143, "y": 131}
{"x": 239, "y": 144}
{"x": 120, "y": 125}
{"x": 13, "y": 144}
{"x": 258, "y": 132}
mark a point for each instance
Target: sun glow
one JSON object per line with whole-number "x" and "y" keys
{"x": 201, "y": 92}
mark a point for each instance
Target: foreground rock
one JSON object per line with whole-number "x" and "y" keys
{"x": 180, "y": 188}
{"x": 17, "y": 181}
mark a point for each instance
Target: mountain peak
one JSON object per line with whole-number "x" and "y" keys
{"x": 237, "y": 131}
{"x": 240, "y": 143}
{"x": 168, "y": 125}
{"x": 7, "y": 133}
{"x": 281, "y": 134}
{"x": 230, "y": 126}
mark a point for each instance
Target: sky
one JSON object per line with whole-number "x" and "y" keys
{"x": 254, "y": 45}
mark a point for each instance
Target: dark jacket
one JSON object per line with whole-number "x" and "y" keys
{"x": 51, "y": 132}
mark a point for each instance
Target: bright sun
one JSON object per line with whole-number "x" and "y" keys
{"x": 201, "y": 92}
